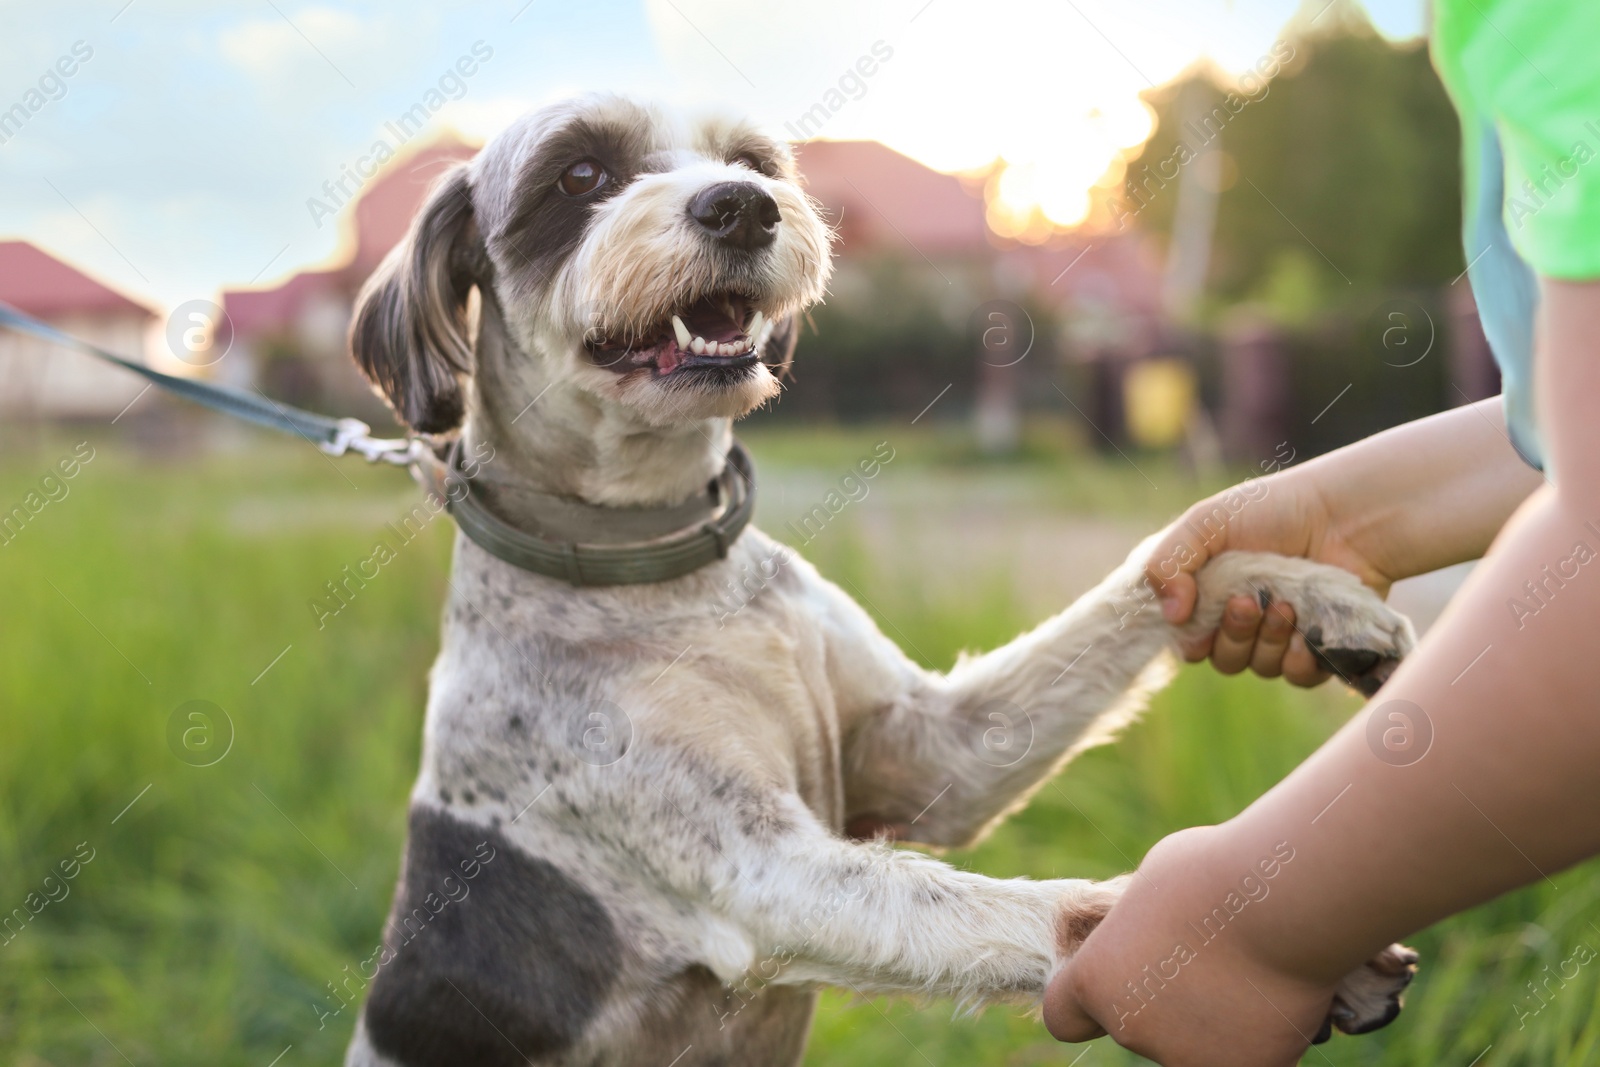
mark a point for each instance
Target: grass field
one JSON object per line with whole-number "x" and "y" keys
{"x": 217, "y": 903}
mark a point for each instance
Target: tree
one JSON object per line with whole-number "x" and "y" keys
{"x": 1341, "y": 174}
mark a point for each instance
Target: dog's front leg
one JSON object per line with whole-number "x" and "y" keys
{"x": 873, "y": 919}
{"x": 940, "y": 758}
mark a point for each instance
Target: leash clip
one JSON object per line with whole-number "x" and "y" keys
{"x": 353, "y": 435}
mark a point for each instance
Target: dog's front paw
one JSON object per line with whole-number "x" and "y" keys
{"x": 1347, "y": 626}
{"x": 1370, "y": 997}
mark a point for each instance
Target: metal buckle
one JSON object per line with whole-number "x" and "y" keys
{"x": 355, "y": 435}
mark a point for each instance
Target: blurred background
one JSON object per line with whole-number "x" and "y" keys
{"x": 1095, "y": 260}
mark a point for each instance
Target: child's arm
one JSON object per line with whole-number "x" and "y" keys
{"x": 1403, "y": 502}
{"x": 1386, "y": 843}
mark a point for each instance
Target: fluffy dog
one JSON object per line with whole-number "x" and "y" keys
{"x": 647, "y": 829}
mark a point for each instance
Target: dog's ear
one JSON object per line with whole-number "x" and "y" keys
{"x": 778, "y": 353}
{"x": 409, "y": 333}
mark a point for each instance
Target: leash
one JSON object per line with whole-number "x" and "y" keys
{"x": 666, "y": 545}
{"x": 333, "y": 436}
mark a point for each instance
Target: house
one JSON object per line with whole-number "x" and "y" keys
{"x": 290, "y": 339}
{"x": 41, "y": 380}
{"x": 1104, "y": 288}
{"x": 881, "y": 202}
{"x": 878, "y": 199}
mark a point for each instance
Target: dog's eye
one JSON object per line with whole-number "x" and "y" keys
{"x": 749, "y": 159}
{"x": 582, "y": 178}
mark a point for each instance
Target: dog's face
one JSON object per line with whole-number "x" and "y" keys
{"x": 653, "y": 264}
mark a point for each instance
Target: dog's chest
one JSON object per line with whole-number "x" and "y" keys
{"x": 535, "y": 677}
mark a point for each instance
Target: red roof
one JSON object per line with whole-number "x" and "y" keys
{"x": 254, "y": 312}
{"x": 383, "y": 214}
{"x": 386, "y": 208}
{"x": 880, "y": 198}
{"x": 41, "y": 285}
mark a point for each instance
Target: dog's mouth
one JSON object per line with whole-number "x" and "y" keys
{"x": 720, "y": 332}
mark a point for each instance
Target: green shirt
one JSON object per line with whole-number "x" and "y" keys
{"x": 1525, "y": 77}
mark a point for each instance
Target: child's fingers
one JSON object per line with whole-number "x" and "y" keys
{"x": 1300, "y": 666}
{"x": 1171, "y": 567}
{"x": 1064, "y": 1015}
{"x": 1272, "y": 641}
{"x": 1236, "y": 635}
{"x": 1177, "y": 593}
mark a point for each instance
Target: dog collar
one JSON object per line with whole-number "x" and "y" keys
{"x": 668, "y": 543}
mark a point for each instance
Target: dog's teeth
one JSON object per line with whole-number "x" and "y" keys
{"x": 755, "y": 327}
{"x": 682, "y": 331}
{"x": 698, "y": 346}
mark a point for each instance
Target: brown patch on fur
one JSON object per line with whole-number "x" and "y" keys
{"x": 872, "y": 828}
{"x": 1075, "y": 924}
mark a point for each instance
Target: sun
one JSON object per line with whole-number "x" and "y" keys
{"x": 1045, "y": 188}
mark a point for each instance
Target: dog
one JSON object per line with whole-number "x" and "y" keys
{"x": 646, "y": 830}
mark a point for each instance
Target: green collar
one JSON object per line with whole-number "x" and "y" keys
{"x": 669, "y": 541}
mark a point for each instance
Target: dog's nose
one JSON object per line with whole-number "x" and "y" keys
{"x": 738, "y": 214}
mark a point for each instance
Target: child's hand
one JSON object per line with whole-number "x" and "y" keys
{"x": 1210, "y": 1003}
{"x": 1410, "y": 500}
{"x": 1277, "y": 514}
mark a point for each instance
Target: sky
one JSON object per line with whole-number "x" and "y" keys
{"x": 186, "y": 150}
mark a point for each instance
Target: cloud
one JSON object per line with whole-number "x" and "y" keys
{"x": 284, "y": 46}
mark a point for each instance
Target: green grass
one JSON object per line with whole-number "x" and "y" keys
{"x": 218, "y": 907}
